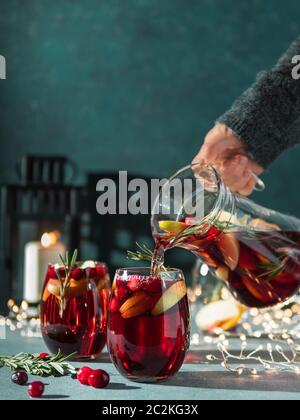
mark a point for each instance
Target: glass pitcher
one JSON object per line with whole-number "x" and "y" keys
{"x": 253, "y": 250}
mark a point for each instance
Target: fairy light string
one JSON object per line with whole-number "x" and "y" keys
{"x": 280, "y": 354}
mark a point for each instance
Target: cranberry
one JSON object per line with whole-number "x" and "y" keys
{"x": 42, "y": 356}
{"x": 119, "y": 282}
{"x": 101, "y": 270}
{"x": 83, "y": 375}
{"x": 115, "y": 305}
{"x": 121, "y": 292}
{"x": 135, "y": 283}
{"x": 153, "y": 285}
{"x": 52, "y": 273}
{"x": 91, "y": 273}
{"x": 99, "y": 379}
{"x": 212, "y": 233}
{"x": 36, "y": 389}
{"x": 190, "y": 221}
{"x": 77, "y": 274}
{"x": 20, "y": 377}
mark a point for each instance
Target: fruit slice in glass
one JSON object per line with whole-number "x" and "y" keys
{"x": 148, "y": 324}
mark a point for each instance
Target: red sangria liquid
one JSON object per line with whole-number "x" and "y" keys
{"x": 77, "y": 321}
{"x": 259, "y": 264}
{"x": 149, "y": 324}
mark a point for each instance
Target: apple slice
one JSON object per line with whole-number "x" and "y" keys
{"x": 224, "y": 314}
{"x": 75, "y": 289}
{"x": 172, "y": 226}
{"x": 233, "y": 322}
{"x": 88, "y": 264}
{"x": 222, "y": 273}
{"x": 263, "y": 225}
{"x": 170, "y": 298}
{"x": 230, "y": 248}
{"x": 53, "y": 287}
{"x": 136, "y": 305}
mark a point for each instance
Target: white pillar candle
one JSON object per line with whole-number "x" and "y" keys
{"x": 37, "y": 258}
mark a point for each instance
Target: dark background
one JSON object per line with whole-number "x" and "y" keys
{"x": 135, "y": 84}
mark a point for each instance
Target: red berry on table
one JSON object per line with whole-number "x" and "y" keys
{"x": 83, "y": 375}
{"x": 20, "y": 377}
{"x": 99, "y": 379}
{"x": 101, "y": 270}
{"x": 36, "y": 389}
{"x": 77, "y": 274}
{"x": 42, "y": 356}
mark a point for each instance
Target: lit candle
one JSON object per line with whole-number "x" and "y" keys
{"x": 38, "y": 255}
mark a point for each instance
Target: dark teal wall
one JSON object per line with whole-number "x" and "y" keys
{"x": 135, "y": 84}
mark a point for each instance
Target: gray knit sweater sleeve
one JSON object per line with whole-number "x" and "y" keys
{"x": 266, "y": 117}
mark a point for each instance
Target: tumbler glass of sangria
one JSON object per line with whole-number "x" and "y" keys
{"x": 255, "y": 251}
{"x": 148, "y": 324}
{"x": 74, "y": 308}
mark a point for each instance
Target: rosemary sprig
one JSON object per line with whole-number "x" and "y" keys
{"x": 143, "y": 253}
{"x": 49, "y": 366}
{"x": 272, "y": 270}
{"x": 68, "y": 263}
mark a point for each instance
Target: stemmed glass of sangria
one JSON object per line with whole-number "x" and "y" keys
{"x": 74, "y": 307}
{"x": 148, "y": 323}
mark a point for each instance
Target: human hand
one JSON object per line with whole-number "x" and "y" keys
{"x": 227, "y": 154}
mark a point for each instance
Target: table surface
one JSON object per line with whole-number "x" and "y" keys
{"x": 197, "y": 380}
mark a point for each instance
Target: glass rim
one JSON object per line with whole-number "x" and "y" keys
{"x": 51, "y": 264}
{"x": 134, "y": 270}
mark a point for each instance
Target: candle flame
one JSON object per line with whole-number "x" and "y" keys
{"x": 49, "y": 239}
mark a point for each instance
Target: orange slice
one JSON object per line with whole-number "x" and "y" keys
{"x": 136, "y": 305}
{"x": 259, "y": 291}
{"x": 230, "y": 248}
{"x": 46, "y": 295}
{"x": 222, "y": 273}
{"x": 170, "y": 298}
{"x": 172, "y": 226}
